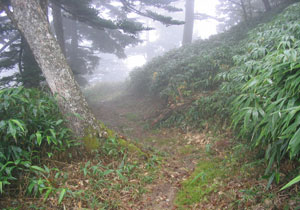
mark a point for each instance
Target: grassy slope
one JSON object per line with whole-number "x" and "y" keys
{"x": 182, "y": 73}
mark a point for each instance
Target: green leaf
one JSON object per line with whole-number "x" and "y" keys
{"x": 292, "y": 182}
{"x": 47, "y": 193}
{"x": 271, "y": 180}
{"x": 12, "y": 129}
{"x": 61, "y": 195}
{"x": 53, "y": 133}
{"x": 30, "y": 187}
{"x": 120, "y": 175}
{"x": 17, "y": 161}
{"x": 58, "y": 122}
{"x": 17, "y": 122}
{"x": 1, "y": 187}
{"x": 37, "y": 168}
{"x": 201, "y": 174}
{"x": 38, "y": 138}
{"x": 294, "y": 144}
{"x": 108, "y": 172}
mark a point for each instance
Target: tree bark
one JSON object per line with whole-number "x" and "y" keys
{"x": 29, "y": 18}
{"x": 58, "y": 25}
{"x": 267, "y": 5}
{"x": 189, "y": 22}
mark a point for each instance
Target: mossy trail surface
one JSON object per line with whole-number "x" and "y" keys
{"x": 197, "y": 170}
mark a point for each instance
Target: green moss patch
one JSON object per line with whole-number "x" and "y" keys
{"x": 201, "y": 183}
{"x": 132, "y": 149}
{"x": 131, "y": 116}
{"x": 187, "y": 149}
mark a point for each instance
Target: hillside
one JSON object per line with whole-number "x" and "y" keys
{"x": 211, "y": 125}
{"x": 247, "y": 79}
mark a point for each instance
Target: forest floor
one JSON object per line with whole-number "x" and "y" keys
{"x": 198, "y": 169}
{"x": 157, "y": 168}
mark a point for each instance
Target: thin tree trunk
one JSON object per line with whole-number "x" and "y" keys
{"x": 244, "y": 11}
{"x": 250, "y": 9}
{"x": 32, "y": 22}
{"x": 189, "y": 22}
{"x": 20, "y": 57}
{"x": 58, "y": 25}
{"x": 267, "y": 5}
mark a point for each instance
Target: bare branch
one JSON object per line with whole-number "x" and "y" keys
{"x": 9, "y": 42}
{"x": 202, "y": 16}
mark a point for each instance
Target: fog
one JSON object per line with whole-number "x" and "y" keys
{"x": 109, "y": 56}
{"x": 154, "y": 43}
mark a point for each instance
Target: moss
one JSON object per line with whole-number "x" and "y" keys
{"x": 131, "y": 116}
{"x": 90, "y": 141}
{"x": 201, "y": 183}
{"x": 187, "y": 149}
{"x": 133, "y": 149}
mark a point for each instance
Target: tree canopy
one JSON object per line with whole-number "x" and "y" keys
{"x": 105, "y": 25}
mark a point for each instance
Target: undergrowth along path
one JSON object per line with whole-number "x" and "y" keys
{"x": 127, "y": 115}
{"x": 203, "y": 170}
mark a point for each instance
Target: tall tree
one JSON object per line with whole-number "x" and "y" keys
{"x": 16, "y": 54}
{"x": 244, "y": 9}
{"x": 34, "y": 26}
{"x": 104, "y": 35}
{"x": 32, "y": 22}
{"x": 236, "y": 11}
{"x": 189, "y": 22}
{"x": 267, "y": 5}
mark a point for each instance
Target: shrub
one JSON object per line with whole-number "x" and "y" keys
{"x": 267, "y": 76}
{"x": 30, "y": 127}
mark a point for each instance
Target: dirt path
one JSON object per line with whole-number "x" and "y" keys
{"x": 128, "y": 115}
{"x": 233, "y": 180}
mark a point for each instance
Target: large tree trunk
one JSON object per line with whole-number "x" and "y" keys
{"x": 189, "y": 22}
{"x": 32, "y": 22}
{"x": 58, "y": 25}
{"x": 267, "y": 5}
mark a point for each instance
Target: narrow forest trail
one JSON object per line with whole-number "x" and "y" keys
{"x": 128, "y": 116}
{"x": 203, "y": 170}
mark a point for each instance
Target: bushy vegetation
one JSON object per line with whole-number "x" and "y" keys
{"x": 249, "y": 79}
{"x": 185, "y": 71}
{"x": 266, "y": 77}
{"x": 192, "y": 68}
{"x": 31, "y": 128}
{"x": 35, "y": 160}
{"x": 103, "y": 91}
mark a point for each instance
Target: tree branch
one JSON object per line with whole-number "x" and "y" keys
{"x": 151, "y": 15}
{"x": 9, "y": 42}
{"x": 202, "y": 16}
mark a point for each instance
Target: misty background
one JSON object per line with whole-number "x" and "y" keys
{"x": 108, "y": 54}
{"x": 153, "y": 43}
